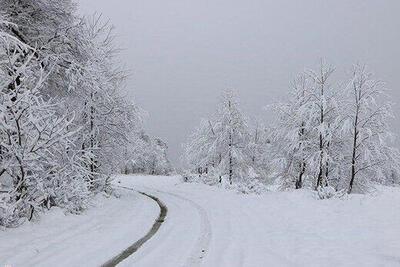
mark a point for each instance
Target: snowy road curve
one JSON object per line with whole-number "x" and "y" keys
{"x": 200, "y": 248}
{"x": 134, "y": 247}
{"x": 186, "y": 225}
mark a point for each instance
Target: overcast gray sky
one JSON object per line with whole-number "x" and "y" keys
{"x": 183, "y": 53}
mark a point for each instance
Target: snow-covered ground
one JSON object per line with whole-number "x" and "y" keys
{"x": 89, "y": 239}
{"x": 211, "y": 226}
{"x": 274, "y": 229}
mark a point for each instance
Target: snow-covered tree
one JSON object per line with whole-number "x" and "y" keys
{"x": 222, "y": 142}
{"x": 147, "y": 155}
{"x": 64, "y": 122}
{"x": 80, "y": 57}
{"x": 366, "y": 125}
{"x": 259, "y": 149}
{"x": 322, "y": 111}
{"x": 320, "y": 123}
{"x": 159, "y": 160}
{"x": 199, "y": 149}
{"x": 36, "y": 143}
{"x": 51, "y": 27}
{"x": 231, "y": 137}
{"x": 292, "y": 136}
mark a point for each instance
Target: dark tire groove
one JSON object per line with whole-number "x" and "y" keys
{"x": 134, "y": 247}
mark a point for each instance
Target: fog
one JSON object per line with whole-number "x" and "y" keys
{"x": 183, "y": 53}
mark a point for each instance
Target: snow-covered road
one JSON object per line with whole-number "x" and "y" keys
{"x": 182, "y": 240}
{"x": 138, "y": 244}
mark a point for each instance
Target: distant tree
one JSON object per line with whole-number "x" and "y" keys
{"x": 159, "y": 159}
{"x": 259, "y": 149}
{"x": 147, "y": 155}
{"x": 232, "y": 135}
{"x": 200, "y": 151}
{"x": 222, "y": 142}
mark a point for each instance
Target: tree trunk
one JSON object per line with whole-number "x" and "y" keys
{"x": 320, "y": 173}
{"x": 230, "y": 149}
{"x": 299, "y": 182}
{"x": 327, "y": 169}
{"x": 230, "y": 159}
{"x": 353, "y": 157}
{"x": 321, "y": 140}
{"x": 357, "y": 94}
{"x": 92, "y": 164}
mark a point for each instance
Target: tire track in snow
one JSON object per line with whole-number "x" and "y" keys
{"x": 201, "y": 247}
{"x": 134, "y": 247}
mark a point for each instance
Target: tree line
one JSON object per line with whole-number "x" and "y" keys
{"x": 327, "y": 136}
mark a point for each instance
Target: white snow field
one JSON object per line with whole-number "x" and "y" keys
{"x": 210, "y": 226}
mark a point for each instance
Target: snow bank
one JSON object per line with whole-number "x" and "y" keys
{"x": 89, "y": 239}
